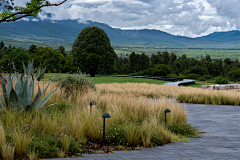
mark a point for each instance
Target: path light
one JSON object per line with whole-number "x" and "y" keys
{"x": 105, "y": 115}
{"x": 92, "y": 103}
{"x": 166, "y": 111}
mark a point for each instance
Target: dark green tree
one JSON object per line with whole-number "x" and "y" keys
{"x": 68, "y": 67}
{"x": 161, "y": 70}
{"x": 227, "y": 65}
{"x": 199, "y": 70}
{"x": 155, "y": 59}
{"x": 234, "y": 74}
{"x": 172, "y": 58}
{"x": 143, "y": 62}
{"x": 92, "y": 51}
{"x": 32, "y": 49}
{"x": 133, "y": 62}
{"x": 16, "y": 56}
{"x": 53, "y": 59}
{"x": 1, "y": 45}
{"x": 62, "y": 50}
{"x": 165, "y": 57}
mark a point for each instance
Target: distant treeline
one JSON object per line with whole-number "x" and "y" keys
{"x": 162, "y": 64}
{"x": 159, "y": 64}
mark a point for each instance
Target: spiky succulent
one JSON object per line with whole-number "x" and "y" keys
{"x": 21, "y": 98}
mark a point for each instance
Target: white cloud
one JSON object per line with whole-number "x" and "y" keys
{"x": 179, "y": 17}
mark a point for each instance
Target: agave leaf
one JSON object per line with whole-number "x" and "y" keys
{"x": 39, "y": 77}
{"x": 19, "y": 85}
{"x": 5, "y": 93}
{"x": 9, "y": 84}
{"x": 13, "y": 100}
{"x": 31, "y": 69}
{"x": 46, "y": 88}
{"x": 28, "y": 68}
{"x": 30, "y": 90}
{"x": 14, "y": 68}
{"x": 1, "y": 105}
{"x": 36, "y": 99}
{"x": 45, "y": 99}
{"x": 38, "y": 71}
{"x": 51, "y": 105}
{"x": 55, "y": 77}
{"x": 22, "y": 98}
{"x": 24, "y": 68}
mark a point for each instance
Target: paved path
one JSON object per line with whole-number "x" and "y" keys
{"x": 177, "y": 83}
{"x": 222, "y": 140}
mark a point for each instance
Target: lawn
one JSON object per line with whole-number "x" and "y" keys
{"x": 105, "y": 79}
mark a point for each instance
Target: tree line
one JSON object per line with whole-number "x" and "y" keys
{"x": 159, "y": 64}
{"x": 163, "y": 64}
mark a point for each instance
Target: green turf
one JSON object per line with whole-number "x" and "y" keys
{"x": 109, "y": 79}
{"x": 99, "y": 80}
{"x": 103, "y": 79}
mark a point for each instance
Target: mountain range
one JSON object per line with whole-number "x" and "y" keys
{"x": 66, "y": 31}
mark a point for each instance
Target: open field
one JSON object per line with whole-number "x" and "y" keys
{"x": 190, "y": 53}
{"x": 26, "y": 43}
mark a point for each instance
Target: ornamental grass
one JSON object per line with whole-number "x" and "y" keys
{"x": 65, "y": 129}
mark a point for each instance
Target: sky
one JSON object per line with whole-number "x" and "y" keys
{"x": 191, "y": 18}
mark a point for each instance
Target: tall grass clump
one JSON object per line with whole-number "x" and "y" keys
{"x": 21, "y": 141}
{"x": 32, "y": 155}
{"x": 65, "y": 144}
{"x": 133, "y": 134}
{"x": 8, "y": 152}
{"x": 207, "y": 96}
{"x": 2, "y": 136}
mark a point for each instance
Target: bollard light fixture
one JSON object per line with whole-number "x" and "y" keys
{"x": 92, "y": 103}
{"x": 166, "y": 111}
{"x": 105, "y": 115}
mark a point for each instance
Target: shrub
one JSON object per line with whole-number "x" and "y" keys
{"x": 202, "y": 79}
{"x": 221, "y": 80}
{"x": 199, "y": 70}
{"x": 234, "y": 74}
{"x": 182, "y": 129}
{"x": 192, "y": 76}
{"x": 48, "y": 146}
{"x": 161, "y": 70}
{"x": 207, "y": 77}
{"x": 140, "y": 73}
{"x": 116, "y": 135}
{"x": 74, "y": 82}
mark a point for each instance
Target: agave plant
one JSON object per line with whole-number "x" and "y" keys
{"x": 21, "y": 98}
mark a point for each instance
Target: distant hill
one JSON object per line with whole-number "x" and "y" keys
{"x": 66, "y": 31}
{"x": 230, "y": 36}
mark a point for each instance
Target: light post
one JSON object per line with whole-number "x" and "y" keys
{"x": 166, "y": 111}
{"x": 105, "y": 115}
{"x": 92, "y": 103}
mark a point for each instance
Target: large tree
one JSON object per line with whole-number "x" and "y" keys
{"x": 31, "y": 8}
{"x": 92, "y": 51}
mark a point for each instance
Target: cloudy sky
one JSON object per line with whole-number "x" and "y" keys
{"x": 191, "y": 18}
